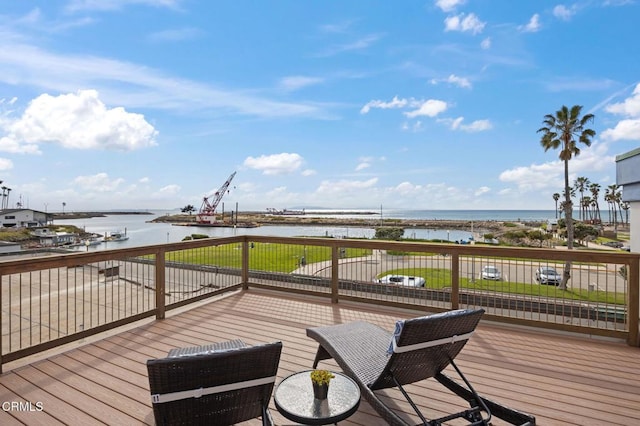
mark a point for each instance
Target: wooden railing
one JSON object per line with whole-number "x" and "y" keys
{"x": 51, "y": 300}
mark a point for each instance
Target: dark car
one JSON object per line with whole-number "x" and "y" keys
{"x": 547, "y": 275}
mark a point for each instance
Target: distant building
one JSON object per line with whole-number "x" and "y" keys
{"x": 55, "y": 239}
{"x": 24, "y": 218}
{"x": 628, "y": 176}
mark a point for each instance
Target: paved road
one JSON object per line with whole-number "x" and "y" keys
{"x": 588, "y": 277}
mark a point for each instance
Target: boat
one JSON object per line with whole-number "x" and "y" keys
{"x": 91, "y": 241}
{"x": 116, "y": 236}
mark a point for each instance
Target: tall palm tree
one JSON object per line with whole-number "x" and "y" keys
{"x": 580, "y": 185}
{"x": 626, "y": 206}
{"x": 610, "y": 197}
{"x": 561, "y": 130}
{"x": 617, "y": 199}
{"x": 585, "y": 202}
{"x": 556, "y": 197}
{"x": 4, "y": 195}
{"x": 595, "y": 192}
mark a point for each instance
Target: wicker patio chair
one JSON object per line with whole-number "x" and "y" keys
{"x": 222, "y": 384}
{"x": 419, "y": 349}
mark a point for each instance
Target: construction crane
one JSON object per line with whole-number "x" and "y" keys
{"x": 207, "y": 213}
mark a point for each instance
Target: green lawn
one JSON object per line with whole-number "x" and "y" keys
{"x": 269, "y": 257}
{"x": 286, "y": 258}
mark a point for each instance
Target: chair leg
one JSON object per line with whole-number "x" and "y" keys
{"x": 473, "y": 415}
{"x": 267, "y": 420}
{"x": 320, "y": 355}
{"x": 408, "y": 398}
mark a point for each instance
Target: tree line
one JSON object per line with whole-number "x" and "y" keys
{"x": 589, "y": 207}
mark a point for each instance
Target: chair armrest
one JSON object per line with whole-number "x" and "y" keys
{"x": 207, "y": 349}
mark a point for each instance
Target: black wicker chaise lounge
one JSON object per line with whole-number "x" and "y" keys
{"x": 419, "y": 349}
{"x": 222, "y": 383}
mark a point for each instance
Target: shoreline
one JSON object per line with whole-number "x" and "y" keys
{"x": 262, "y": 219}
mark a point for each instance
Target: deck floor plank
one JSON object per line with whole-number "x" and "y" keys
{"x": 561, "y": 379}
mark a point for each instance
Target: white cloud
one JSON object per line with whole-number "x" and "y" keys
{"x": 345, "y": 187}
{"x": 624, "y": 130}
{"x": 98, "y": 183}
{"x": 298, "y": 82}
{"x": 429, "y": 108}
{"x": 469, "y": 23}
{"x": 563, "y": 12}
{"x": 629, "y": 107}
{"x": 168, "y": 190}
{"x": 475, "y": 126}
{"x": 486, "y": 43}
{"x": 629, "y": 128}
{"x": 455, "y": 80}
{"x": 131, "y": 84}
{"x": 362, "y": 166}
{"x": 105, "y": 5}
{"x": 309, "y": 172}
{"x": 482, "y": 190}
{"x": 449, "y": 5}
{"x": 5, "y": 164}
{"x": 77, "y": 121}
{"x": 275, "y": 164}
{"x": 395, "y": 103}
{"x": 532, "y": 26}
{"x": 360, "y": 44}
{"x": 551, "y": 174}
{"x": 536, "y": 176}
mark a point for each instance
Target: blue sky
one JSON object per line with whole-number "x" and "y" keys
{"x": 433, "y": 104}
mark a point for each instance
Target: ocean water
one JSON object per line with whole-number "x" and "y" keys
{"x": 142, "y": 232}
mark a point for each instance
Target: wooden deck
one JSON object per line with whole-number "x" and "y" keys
{"x": 560, "y": 379}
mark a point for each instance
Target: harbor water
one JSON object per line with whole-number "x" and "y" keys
{"x": 141, "y": 231}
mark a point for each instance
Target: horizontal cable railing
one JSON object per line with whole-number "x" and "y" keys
{"x": 51, "y": 300}
{"x": 515, "y": 285}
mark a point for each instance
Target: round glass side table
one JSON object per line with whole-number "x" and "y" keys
{"x": 294, "y": 399}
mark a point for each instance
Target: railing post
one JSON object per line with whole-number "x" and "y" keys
{"x": 1, "y": 318}
{"x": 455, "y": 281}
{"x": 634, "y": 301}
{"x": 160, "y": 284}
{"x": 245, "y": 264}
{"x": 334, "y": 273}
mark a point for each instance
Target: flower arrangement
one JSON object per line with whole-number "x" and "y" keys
{"x": 321, "y": 377}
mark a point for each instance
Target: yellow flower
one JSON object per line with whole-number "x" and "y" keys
{"x": 321, "y": 377}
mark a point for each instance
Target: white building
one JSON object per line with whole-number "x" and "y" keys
{"x": 24, "y": 218}
{"x": 628, "y": 176}
{"x": 55, "y": 239}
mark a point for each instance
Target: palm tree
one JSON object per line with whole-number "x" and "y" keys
{"x": 595, "y": 192}
{"x": 4, "y": 195}
{"x": 617, "y": 199}
{"x": 560, "y": 131}
{"x": 610, "y": 197}
{"x": 626, "y": 206}
{"x": 580, "y": 185}
{"x": 556, "y": 197}
{"x": 585, "y": 202}
{"x": 63, "y": 206}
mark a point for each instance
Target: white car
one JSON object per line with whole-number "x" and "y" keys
{"x": 547, "y": 275}
{"x": 491, "y": 273}
{"x": 403, "y": 280}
